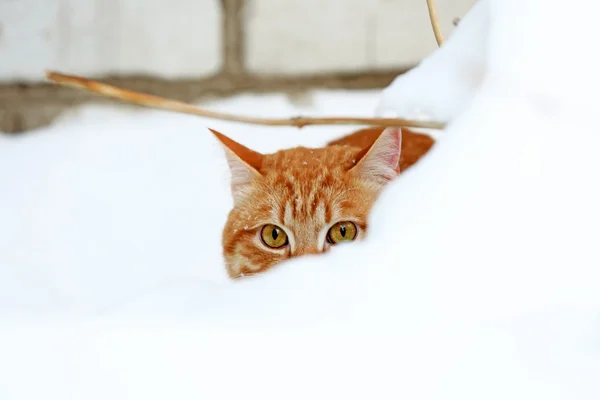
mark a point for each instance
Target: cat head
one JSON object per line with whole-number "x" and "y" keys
{"x": 301, "y": 201}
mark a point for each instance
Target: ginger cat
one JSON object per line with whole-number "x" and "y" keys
{"x": 304, "y": 200}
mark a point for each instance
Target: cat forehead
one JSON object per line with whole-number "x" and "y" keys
{"x": 307, "y": 160}
{"x": 304, "y": 173}
{"x": 314, "y": 198}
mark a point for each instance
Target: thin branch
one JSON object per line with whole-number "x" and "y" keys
{"x": 434, "y": 22}
{"x": 162, "y": 103}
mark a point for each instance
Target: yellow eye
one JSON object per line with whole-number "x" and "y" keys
{"x": 273, "y": 236}
{"x": 341, "y": 232}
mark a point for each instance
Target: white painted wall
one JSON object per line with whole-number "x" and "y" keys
{"x": 311, "y": 36}
{"x": 182, "y": 38}
{"x": 174, "y": 38}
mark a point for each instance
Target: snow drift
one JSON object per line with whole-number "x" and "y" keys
{"x": 479, "y": 279}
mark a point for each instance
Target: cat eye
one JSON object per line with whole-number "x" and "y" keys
{"x": 273, "y": 236}
{"x": 341, "y": 232}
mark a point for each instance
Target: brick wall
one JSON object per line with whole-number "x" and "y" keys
{"x": 188, "y": 49}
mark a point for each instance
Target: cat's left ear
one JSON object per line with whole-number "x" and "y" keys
{"x": 380, "y": 163}
{"x": 244, "y": 165}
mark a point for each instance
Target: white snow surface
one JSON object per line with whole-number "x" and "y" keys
{"x": 479, "y": 278}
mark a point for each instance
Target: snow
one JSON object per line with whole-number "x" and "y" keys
{"x": 107, "y": 202}
{"x": 479, "y": 278}
{"x": 443, "y": 93}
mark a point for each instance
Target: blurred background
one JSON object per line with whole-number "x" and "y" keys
{"x": 198, "y": 49}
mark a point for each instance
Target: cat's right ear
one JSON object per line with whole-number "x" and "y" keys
{"x": 244, "y": 165}
{"x": 380, "y": 163}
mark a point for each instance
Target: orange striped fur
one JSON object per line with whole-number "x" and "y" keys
{"x": 305, "y": 192}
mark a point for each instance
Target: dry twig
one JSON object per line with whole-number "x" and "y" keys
{"x": 434, "y": 22}
{"x": 148, "y": 100}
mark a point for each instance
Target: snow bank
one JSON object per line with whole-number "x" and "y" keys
{"x": 479, "y": 279}
{"x": 108, "y": 203}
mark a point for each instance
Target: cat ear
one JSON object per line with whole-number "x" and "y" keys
{"x": 244, "y": 165}
{"x": 380, "y": 163}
